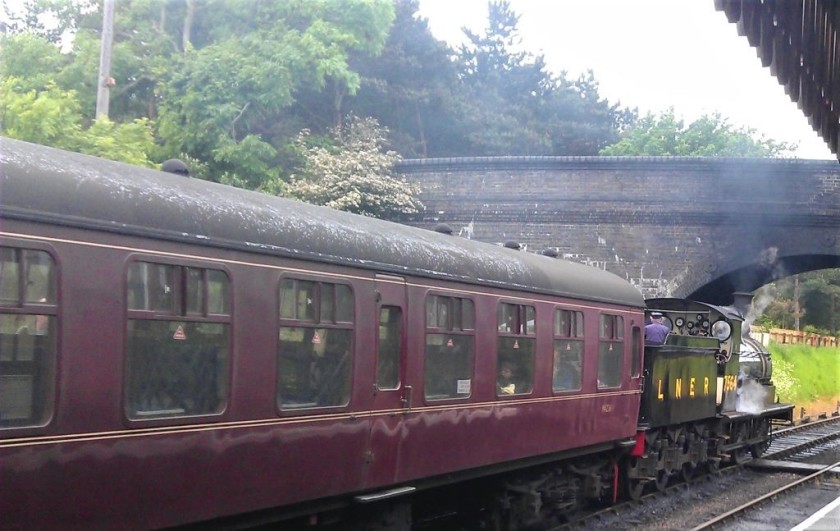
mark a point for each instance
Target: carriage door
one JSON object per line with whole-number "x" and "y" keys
{"x": 392, "y": 397}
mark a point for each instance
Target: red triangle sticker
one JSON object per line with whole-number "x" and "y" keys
{"x": 316, "y": 339}
{"x": 179, "y": 333}
{"x": 450, "y": 343}
{"x": 516, "y": 344}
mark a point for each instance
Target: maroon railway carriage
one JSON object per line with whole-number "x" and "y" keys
{"x": 176, "y": 351}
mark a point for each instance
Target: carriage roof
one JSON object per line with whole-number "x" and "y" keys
{"x": 49, "y": 185}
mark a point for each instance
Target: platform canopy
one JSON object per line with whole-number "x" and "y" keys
{"x": 798, "y": 40}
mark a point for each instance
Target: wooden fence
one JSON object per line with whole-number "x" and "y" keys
{"x": 790, "y": 337}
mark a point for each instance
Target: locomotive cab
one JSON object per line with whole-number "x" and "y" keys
{"x": 695, "y": 371}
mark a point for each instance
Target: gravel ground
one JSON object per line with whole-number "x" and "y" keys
{"x": 701, "y": 501}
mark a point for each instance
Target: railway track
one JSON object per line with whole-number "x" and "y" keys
{"x": 786, "y": 443}
{"x": 789, "y": 441}
{"x": 760, "y": 501}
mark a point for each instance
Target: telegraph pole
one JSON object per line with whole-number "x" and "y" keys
{"x": 105, "y": 81}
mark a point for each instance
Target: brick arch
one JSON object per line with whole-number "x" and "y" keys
{"x": 749, "y": 278}
{"x": 672, "y": 226}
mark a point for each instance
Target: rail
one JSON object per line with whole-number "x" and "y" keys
{"x": 762, "y": 499}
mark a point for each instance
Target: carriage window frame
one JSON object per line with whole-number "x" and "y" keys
{"x": 331, "y": 308}
{"x": 636, "y": 352}
{"x": 209, "y": 320}
{"x": 34, "y": 318}
{"x": 517, "y": 323}
{"x": 449, "y": 323}
{"x": 568, "y": 336}
{"x": 611, "y": 353}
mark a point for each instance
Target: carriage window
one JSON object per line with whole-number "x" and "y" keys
{"x": 196, "y": 290}
{"x": 610, "y": 350}
{"x": 568, "y": 350}
{"x": 178, "y": 341}
{"x": 27, "y": 336}
{"x": 217, "y": 292}
{"x": 450, "y": 324}
{"x": 389, "y": 347}
{"x": 316, "y": 342}
{"x": 515, "y": 349}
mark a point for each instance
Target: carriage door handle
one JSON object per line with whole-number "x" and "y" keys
{"x": 406, "y": 399}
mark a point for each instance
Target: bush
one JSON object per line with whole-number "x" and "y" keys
{"x": 803, "y": 373}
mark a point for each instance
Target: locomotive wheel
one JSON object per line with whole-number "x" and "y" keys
{"x": 687, "y": 472}
{"x": 758, "y": 449}
{"x": 661, "y": 480}
{"x": 741, "y": 456}
{"x": 633, "y": 487}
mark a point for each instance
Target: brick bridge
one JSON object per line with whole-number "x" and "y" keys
{"x": 684, "y": 227}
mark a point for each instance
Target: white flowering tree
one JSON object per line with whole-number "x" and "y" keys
{"x": 354, "y": 173}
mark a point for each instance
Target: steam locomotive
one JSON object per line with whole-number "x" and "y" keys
{"x": 709, "y": 396}
{"x": 178, "y": 352}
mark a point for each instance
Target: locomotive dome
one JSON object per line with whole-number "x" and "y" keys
{"x": 41, "y": 183}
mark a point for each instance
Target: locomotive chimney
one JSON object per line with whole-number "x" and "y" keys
{"x": 742, "y": 302}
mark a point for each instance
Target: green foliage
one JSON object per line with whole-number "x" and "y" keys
{"x": 217, "y": 79}
{"x": 803, "y": 373}
{"x": 229, "y": 85}
{"x": 787, "y": 385}
{"x": 354, "y": 174}
{"x": 514, "y": 106}
{"x": 51, "y": 117}
{"x": 819, "y": 301}
{"x": 48, "y": 19}
{"x": 708, "y": 136}
{"x": 30, "y": 59}
{"x": 412, "y": 89}
{"x": 127, "y": 142}
{"x": 227, "y": 97}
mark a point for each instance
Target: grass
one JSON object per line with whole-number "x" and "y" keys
{"x": 805, "y": 374}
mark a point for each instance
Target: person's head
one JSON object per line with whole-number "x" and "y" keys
{"x": 506, "y": 371}
{"x": 656, "y": 317}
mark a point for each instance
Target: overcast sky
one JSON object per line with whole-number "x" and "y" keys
{"x": 650, "y": 54}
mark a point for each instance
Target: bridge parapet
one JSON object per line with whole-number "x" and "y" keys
{"x": 671, "y": 225}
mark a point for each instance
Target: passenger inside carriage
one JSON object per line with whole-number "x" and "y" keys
{"x": 566, "y": 372}
{"x": 505, "y": 384}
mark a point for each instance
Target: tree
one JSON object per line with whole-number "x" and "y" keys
{"x": 820, "y": 295}
{"x": 52, "y": 117}
{"x": 412, "y": 89}
{"x": 228, "y": 98}
{"x": 353, "y": 173}
{"x": 817, "y": 303}
{"x": 50, "y": 20}
{"x": 708, "y": 136}
{"x": 216, "y": 79}
{"x": 39, "y": 100}
{"x": 515, "y": 106}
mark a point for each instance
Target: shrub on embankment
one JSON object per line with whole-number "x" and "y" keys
{"x": 804, "y": 374}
